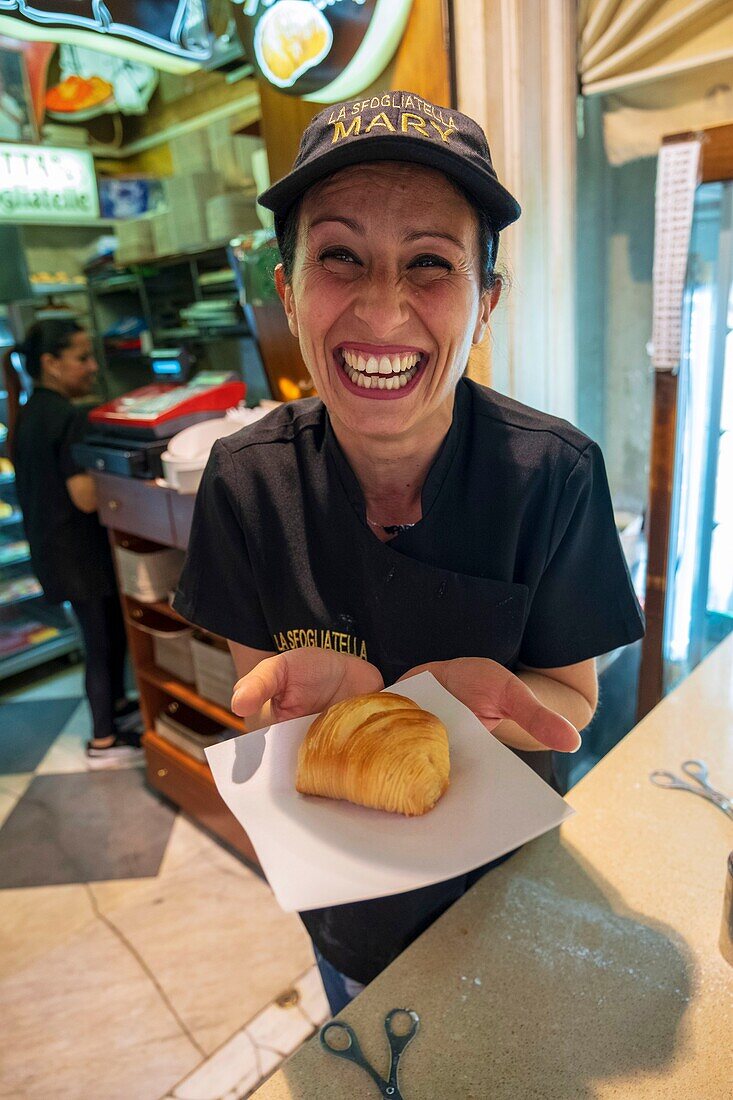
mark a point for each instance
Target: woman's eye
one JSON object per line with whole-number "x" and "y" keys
{"x": 429, "y": 261}
{"x": 336, "y": 256}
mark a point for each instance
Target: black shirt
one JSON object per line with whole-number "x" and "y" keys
{"x": 69, "y": 548}
{"x": 516, "y": 558}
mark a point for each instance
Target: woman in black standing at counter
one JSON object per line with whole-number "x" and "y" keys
{"x": 69, "y": 548}
{"x": 409, "y": 518}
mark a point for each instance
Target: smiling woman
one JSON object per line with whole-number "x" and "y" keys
{"x": 424, "y": 521}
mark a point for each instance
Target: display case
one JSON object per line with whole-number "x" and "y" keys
{"x": 32, "y": 631}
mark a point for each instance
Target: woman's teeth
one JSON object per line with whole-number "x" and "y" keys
{"x": 388, "y": 372}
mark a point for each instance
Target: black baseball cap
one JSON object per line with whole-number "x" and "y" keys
{"x": 396, "y": 126}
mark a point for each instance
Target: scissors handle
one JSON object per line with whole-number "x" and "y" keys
{"x": 351, "y": 1052}
{"x": 667, "y": 779}
{"x": 397, "y": 1043}
{"x": 673, "y": 782}
{"x": 697, "y": 770}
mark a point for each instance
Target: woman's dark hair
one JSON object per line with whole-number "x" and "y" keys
{"x": 488, "y": 238}
{"x": 49, "y": 337}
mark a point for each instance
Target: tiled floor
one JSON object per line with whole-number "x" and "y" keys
{"x": 139, "y": 959}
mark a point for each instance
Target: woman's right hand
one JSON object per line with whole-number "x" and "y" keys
{"x": 303, "y": 681}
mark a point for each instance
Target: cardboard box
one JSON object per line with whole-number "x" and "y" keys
{"x": 187, "y": 196}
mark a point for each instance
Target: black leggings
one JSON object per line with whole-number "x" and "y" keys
{"x": 105, "y": 644}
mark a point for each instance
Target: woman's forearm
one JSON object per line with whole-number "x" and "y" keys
{"x": 559, "y": 697}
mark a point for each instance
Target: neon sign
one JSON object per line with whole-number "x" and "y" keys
{"x": 170, "y": 34}
{"x": 40, "y": 184}
{"x": 322, "y": 50}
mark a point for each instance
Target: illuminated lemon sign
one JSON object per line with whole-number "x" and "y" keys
{"x": 322, "y": 50}
{"x": 291, "y": 38}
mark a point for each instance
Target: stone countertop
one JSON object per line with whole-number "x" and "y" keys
{"x": 587, "y": 966}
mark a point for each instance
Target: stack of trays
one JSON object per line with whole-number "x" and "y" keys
{"x": 212, "y": 313}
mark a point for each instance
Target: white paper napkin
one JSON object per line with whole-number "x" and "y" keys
{"x": 320, "y": 852}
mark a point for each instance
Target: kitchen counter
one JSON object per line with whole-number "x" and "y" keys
{"x": 588, "y": 965}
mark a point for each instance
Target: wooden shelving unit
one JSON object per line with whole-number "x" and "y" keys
{"x": 158, "y": 516}
{"x": 155, "y": 292}
{"x": 185, "y": 693}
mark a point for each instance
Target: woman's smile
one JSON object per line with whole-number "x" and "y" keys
{"x": 383, "y": 372}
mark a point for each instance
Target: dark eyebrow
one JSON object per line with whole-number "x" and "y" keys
{"x": 418, "y": 234}
{"x": 412, "y": 236}
{"x": 355, "y": 226}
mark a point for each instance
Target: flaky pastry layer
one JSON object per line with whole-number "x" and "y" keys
{"x": 379, "y": 750}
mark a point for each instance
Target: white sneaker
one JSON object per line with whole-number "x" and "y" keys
{"x": 119, "y": 754}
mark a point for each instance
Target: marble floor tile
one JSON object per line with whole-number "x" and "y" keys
{"x": 188, "y": 842}
{"x": 38, "y": 921}
{"x": 12, "y": 788}
{"x": 268, "y": 1060}
{"x": 279, "y": 1028}
{"x": 255, "y": 1051}
{"x": 215, "y": 938}
{"x": 28, "y": 729}
{"x": 69, "y": 682}
{"x": 234, "y": 1068}
{"x": 68, "y": 752}
{"x": 312, "y": 996}
{"x": 87, "y": 1022}
{"x": 84, "y": 827}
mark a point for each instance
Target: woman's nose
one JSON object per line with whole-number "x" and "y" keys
{"x": 381, "y": 305}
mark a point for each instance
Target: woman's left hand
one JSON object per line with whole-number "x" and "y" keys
{"x": 494, "y": 693}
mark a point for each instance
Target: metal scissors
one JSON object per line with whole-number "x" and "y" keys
{"x": 697, "y": 770}
{"x": 351, "y": 1051}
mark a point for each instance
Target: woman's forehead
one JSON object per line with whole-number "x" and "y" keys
{"x": 410, "y": 188}
{"x": 79, "y": 341}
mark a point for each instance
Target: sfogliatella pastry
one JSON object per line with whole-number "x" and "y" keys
{"x": 379, "y": 750}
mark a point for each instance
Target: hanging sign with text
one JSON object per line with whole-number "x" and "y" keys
{"x": 40, "y": 184}
{"x": 170, "y": 33}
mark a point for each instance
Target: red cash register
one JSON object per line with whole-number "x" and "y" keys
{"x": 128, "y": 435}
{"x": 161, "y": 410}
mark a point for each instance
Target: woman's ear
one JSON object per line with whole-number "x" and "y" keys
{"x": 49, "y": 365}
{"x": 285, "y": 291}
{"x": 487, "y": 305}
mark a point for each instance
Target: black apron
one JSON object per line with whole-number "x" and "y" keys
{"x": 415, "y": 613}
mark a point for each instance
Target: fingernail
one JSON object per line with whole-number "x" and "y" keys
{"x": 578, "y": 746}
